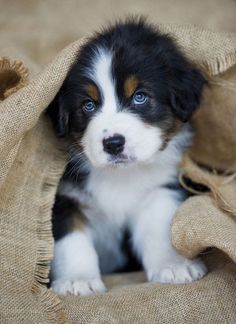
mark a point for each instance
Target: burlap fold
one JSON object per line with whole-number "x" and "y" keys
{"x": 31, "y": 164}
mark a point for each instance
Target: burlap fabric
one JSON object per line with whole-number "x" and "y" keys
{"x": 31, "y": 163}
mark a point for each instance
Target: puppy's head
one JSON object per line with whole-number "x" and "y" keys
{"x": 127, "y": 95}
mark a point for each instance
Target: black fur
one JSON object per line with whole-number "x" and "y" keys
{"x": 63, "y": 214}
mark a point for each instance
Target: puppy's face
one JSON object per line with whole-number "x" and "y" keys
{"x": 127, "y": 95}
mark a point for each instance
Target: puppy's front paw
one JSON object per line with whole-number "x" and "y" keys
{"x": 180, "y": 272}
{"x": 80, "y": 287}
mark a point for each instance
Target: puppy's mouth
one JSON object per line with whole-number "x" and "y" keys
{"x": 120, "y": 160}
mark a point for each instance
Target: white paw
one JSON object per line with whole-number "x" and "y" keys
{"x": 184, "y": 272}
{"x": 80, "y": 287}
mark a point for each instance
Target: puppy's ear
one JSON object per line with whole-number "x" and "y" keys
{"x": 59, "y": 115}
{"x": 186, "y": 90}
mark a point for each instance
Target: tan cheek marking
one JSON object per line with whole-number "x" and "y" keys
{"x": 79, "y": 220}
{"x": 92, "y": 92}
{"x": 130, "y": 86}
{"x": 147, "y": 125}
{"x": 169, "y": 131}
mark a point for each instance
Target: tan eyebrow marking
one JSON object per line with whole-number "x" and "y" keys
{"x": 130, "y": 85}
{"x": 92, "y": 91}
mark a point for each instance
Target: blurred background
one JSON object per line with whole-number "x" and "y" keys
{"x": 41, "y": 28}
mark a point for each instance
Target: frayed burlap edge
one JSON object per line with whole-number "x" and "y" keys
{"x": 212, "y": 66}
{"x": 220, "y": 64}
{"x": 6, "y": 64}
{"x": 49, "y": 299}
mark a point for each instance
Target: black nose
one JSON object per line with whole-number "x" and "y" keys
{"x": 114, "y": 145}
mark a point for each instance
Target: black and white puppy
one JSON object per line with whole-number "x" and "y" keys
{"x": 124, "y": 108}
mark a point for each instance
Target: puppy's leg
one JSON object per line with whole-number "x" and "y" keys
{"x": 75, "y": 267}
{"x": 152, "y": 241}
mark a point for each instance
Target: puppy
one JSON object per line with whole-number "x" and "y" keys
{"x": 124, "y": 108}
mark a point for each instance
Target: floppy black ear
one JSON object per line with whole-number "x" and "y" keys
{"x": 59, "y": 115}
{"x": 186, "y": 91}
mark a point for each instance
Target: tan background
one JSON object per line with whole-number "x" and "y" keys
{"x": 42, "y": 28}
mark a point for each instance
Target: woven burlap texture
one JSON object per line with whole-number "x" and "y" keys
{"x": 31, "y": 164}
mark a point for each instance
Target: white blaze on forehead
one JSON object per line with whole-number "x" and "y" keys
{"x": 102, "y": 76}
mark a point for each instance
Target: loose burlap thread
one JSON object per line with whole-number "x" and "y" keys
{"x": 31, "y": 163}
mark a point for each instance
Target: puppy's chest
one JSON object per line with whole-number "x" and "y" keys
{"x": 113, "y": 194}
{"x": 120, "y": 194}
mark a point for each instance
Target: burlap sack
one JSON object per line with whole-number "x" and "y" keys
{"x": 31, "y": 164}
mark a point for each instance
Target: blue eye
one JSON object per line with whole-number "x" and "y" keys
{"x": 89, "y": 106}
{"x": 140, "y": 98}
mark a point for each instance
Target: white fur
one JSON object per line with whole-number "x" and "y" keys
{"x": 75, "y": 267}
{"x": 102, "y": 76}
{"x": 152, "y": 240}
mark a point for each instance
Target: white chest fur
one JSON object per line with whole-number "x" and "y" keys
{"x": 115, "y": 194}
{"x": 119, "y": 192}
